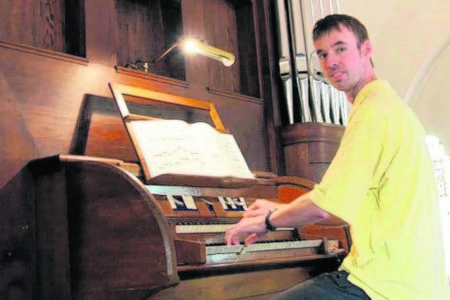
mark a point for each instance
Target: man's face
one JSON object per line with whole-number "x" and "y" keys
{"x": 344, "y": 64}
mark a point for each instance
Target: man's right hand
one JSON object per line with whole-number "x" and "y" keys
{"x": 260, "y": 207}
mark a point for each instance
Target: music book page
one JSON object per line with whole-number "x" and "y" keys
{"x": 177, "y": 147}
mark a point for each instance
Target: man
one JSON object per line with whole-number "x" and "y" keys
{"x": 381, "y": 182}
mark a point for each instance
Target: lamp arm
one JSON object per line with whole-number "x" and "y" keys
{"x": 165, "y": 53}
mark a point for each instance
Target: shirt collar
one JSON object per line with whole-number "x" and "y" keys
{"x": 368, "y": 89}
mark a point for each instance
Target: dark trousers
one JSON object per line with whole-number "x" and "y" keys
{"x": 333, "y": 286}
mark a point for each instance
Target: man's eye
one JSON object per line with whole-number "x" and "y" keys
{"x": 340, "y": 49}
{"x": 321, "y": 56}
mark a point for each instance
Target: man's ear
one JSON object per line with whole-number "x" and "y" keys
{"x": 366, "y": 48}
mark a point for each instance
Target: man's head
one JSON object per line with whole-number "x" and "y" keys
{"x": 334, "y": 22}
{"x": 345, "y": 53}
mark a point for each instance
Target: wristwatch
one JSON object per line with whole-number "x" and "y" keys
{"x": 269, "y": 225}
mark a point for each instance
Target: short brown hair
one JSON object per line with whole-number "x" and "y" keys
{"x": 332, "y": 22}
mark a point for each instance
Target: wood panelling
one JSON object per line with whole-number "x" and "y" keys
{"x": 16, "y": 140}
{"x": 48, "y": 96}
{"x": 228, "y": 25}
{"x": 248, "y": 58}
{"x": 48, "y": 90}
{"x": 146, "y": 30}
{"x": 44, "y": 24}
{"x": 140, "y": 30}
{"x": 221, "y": 31}
{"x": 236, "y": 286}
{"x": 35, "y": 23}
{"x": 17, "y": 243}
{"x": 270, "y": 90}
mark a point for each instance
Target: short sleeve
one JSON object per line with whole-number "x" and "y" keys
{"x": 350, "y": 175}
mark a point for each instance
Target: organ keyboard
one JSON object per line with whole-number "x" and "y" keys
{"x": 285, "y": 243}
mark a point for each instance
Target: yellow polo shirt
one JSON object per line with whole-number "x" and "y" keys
{"x": 381, "y": 182}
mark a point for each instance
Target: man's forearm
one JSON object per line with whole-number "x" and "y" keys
{"x": 297, "y": 213}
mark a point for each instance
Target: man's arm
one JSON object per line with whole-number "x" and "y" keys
{"x": 298, "y": 213}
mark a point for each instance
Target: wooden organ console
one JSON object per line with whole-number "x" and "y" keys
{"x": 102, "y": 228}
{"x": 104, "y": 234}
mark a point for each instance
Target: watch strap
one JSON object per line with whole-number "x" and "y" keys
{"x": 269, "y": 225}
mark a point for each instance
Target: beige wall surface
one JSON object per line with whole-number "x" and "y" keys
{"x": 432, "y": 102}
{"x": 411, "y": 40}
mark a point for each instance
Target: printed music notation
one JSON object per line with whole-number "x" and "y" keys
{"x": 177, "y": 147}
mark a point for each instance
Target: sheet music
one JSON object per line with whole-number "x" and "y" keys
{"x": 177, "y": 147}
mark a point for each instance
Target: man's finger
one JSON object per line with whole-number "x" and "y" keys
{"x": 253, "y": 213}
{"x": 251, "y": 239}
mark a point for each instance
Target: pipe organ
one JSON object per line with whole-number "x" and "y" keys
{"x": 309, "y": 98}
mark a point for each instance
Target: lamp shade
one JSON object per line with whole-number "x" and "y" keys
{"x": 194, "y": 45}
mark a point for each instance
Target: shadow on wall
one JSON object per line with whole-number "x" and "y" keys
{"x": 429, "y": 94}
{"x": 16, "y": 236}
{"x": 17, "y": 146}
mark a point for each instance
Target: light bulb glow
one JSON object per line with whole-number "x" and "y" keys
{"x": 196, "y": 46}
{"x": 190, "y": 46}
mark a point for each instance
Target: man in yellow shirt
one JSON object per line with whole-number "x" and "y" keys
{"x": 381, "y": 182}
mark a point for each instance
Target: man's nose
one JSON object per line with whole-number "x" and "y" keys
{"x": 330, "y": 60}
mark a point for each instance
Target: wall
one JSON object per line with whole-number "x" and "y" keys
{"x": 411, "y": 40}
{"x": 431, "y": 102}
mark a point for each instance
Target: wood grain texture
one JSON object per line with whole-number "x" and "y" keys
{"x": 17, "y": 238}
{"x": 43, "y": 94}
{"x": 309, "y": 148}
{"x": 36, "y": 23}
{"x": 99, "y": 231}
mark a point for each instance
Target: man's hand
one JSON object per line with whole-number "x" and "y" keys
{"x": 252, "y": 224}
{"x": 254, "y": 227}
{"x": 297, "y": 213}
{"x": 260, "y": 207}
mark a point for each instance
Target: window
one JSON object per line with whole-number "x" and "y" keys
{"x": 441, "y": 164}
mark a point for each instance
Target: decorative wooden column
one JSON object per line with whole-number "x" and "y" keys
{"x": 309, "y": 148}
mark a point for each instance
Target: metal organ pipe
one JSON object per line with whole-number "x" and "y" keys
{"x": 309, "y": 98}
{"x": 285, "y": 59}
